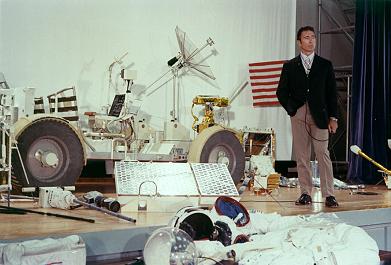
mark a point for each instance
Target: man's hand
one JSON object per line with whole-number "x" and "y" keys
{"x": 333, "y": 125}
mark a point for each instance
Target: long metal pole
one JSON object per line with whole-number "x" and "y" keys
{"x": 118, "y": 215}
{"x": 178, "y": 98}
{"x": 319, "y": 42}
{"x": 173, "y": 111}
{"x": 49, "y": 214}
{"x": 158, "y": 79}
{"x": 237, "y": 92}
{"x": 347, "y": 118}
{"x": 10, "y": 143}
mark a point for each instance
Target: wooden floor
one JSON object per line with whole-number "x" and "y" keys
{"x": 31, "y": 225}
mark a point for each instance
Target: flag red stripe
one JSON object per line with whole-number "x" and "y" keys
{"x": 259, "y": 90}
{"x": 264, "y": 76}
{"x": 266, "y": 63}
{"x": 264, "y": 96}
{"x": 264, "y": 83}
{"x": 269, "y": 103}
{"x": 265, "y": 70}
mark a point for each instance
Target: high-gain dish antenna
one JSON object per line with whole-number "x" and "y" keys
{"x": 189, "y": 58}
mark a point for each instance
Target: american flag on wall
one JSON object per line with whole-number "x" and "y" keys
{"x": 264, "y": 78}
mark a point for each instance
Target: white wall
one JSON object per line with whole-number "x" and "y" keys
{"x": 52, "y": 44}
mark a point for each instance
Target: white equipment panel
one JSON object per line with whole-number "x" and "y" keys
{"x": 167, "y": 187}
{"x": 170, "y": 178}
{"x": 214, "y": 179}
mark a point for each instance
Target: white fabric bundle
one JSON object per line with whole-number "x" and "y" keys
{"x": 277, "y": 240}
{"x": 69, "y": 250}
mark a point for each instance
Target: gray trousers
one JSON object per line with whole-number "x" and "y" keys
{"x": 302, "y": 126}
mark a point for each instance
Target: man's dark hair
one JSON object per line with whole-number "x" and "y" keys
{"x": 306, "y": 28}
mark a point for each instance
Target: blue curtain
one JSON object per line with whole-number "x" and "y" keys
{"x": 371, "y": 96}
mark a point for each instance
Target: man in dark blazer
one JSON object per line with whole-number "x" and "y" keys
{"x": 307, "y": 91}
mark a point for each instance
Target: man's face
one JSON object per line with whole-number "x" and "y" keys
{"x": 307, "y": 42}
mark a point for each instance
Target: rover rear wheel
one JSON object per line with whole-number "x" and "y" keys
{"x": 51, "y": 152}
{"x": 218, "y": 145}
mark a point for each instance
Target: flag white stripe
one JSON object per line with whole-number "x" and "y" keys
{"x": 265, "y": 86}
{"x": 265, "y": 100}
{"x": 264, "y": 93}
{"x": 265, "y": 80}
{"x": 265, "y": 73}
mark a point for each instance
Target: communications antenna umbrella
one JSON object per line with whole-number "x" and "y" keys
{"x": 190, "y": 55}
{"x": 214, "y": 144}
{"x": 189, "y": 58}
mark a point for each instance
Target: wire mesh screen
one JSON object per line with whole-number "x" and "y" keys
{"x": 214, "y": 179}
{"x": 170, "y": 178}
{"x": 174, "y": 179}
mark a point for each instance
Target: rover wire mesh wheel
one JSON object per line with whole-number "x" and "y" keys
{"x": 218, "y": 145}
{"x": 51, "y": 152}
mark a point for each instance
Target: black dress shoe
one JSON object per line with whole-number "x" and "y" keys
{"x": 331, "y": 202}
{"x": 304, "y": 199}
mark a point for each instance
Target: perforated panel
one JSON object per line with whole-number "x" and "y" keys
{"x": 214, "y": 179}
{"x": 170, "y": 178}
